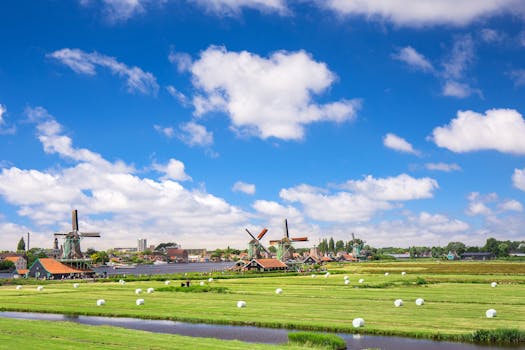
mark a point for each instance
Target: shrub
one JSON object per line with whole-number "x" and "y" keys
{"x": 329, "y": 341}
{"x": 421, "y": 281}
{"x": 499, "y": 336}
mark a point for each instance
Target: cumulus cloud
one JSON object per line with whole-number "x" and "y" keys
{"x": 511, "y": 205}
{"x": 182, "y": 60}
{"x": 86, "y": 63}
{"x": 230, "y": 7}
{"x": 266, "y": 97}
{"x": 419, "y": 13}
{"x": 518, "y": 179}
{"x": 112, "y": 198}
{"x": 173, "y": 170}
{"x": 498, "y": 129}
{"x": 399, "y": 144}
{"x": 166, "y": 131}
{"x": 447, "y": 167}
{"x": 413, "y": 58}
{"x": 194, "y": 134}
{"x": 459, "y": 90}
{"x": 243, "y": 187}
{"x": 360, "y": 200}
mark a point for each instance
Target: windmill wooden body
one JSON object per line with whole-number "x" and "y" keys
{"x": 284, "y": 244}
{"x": 71, "y": 248}
{"x": 255, "y": 247}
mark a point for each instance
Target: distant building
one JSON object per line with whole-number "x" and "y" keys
{"x": 125, "y": 250}
{"x": 177, "y": 255}
{"x": 142, "y": 245}
{"x": 478, "y": 256}
{"x": 20, "y": 263}
{"x": 400, "y": 256}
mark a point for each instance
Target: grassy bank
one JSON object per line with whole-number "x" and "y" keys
{"x": 454, "y": 309}
{"x": 20, "y": 334}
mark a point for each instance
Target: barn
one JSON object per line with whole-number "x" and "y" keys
{"x": 265, "y": 265}
{"x": 52, "y": 269}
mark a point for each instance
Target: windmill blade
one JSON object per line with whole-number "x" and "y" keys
{"x": 263, "y": 247}
{"x": 60, "y": 234}
{"x": 300, "y": 239}
{"x": 74, "y": 219}
{"x": 251, "y": 234}
{"x": 261, "y": 235}
{"x": 90, "y": 234}
{"x": 286, "y": 228}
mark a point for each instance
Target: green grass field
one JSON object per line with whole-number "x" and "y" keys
{"x": 456, "y": 298}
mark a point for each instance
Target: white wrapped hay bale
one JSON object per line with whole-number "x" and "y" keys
{"x": 210, "y": 279}
{"x": 201, "y": 283}
{"x": 18, "y": 287}
{"x": 278, "y": 291}
{"x": 493, "y": 284}
{"x": 326, "y": 275}
{"x": 345, "y": 278}
{"x": 347, "y": 282}
{"x": 490, "y": 313}
{"x": 386, "y": 273}
{"x": 241, "y": 304}
{"x": 167, "y": 283}
{"x": 358, "y": 322}
{"x": 313, "y": 275}
{"x": 398, "y": 302}
{"x": 138, "y": 291}
{"x": 361, "y": 280}
{"x": 403, "y": 273}
{"x": 139, "y": 302}
{"x": 101, "y": 302}
{"x": 40, "y": 288}
{"x": 420, "y": 301}
{"x": 75, "y": 285}
{"x": 122, "y": 282}
{"x": 150, "y": 290}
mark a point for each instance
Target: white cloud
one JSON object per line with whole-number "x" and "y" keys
{"x": 511, "y": 205}
{"x": 3, "y": 110}
{"x": 489, "y": 35}
{"x": 518, "y": 76}
{"x": 447, "y": 167}
{"x": 363, "y": 199}
{"x": 194, "y": 134}
{"x": 419, "y": 13}
{"x": 499, "y": 129}
{"x": 244, "y": 187}
{"x": 266, "y": 97}
{"x": 181, "y": 59}
{"x": 518, "y": 179}
{"x": 121, "y": 10}
{"x": 400, "y": 188}
{"x": 460, "y": 58}
{"x": 459, "y": 90}
{"x": 179, "y": 96}
{"x": 413, "y": 58}
{"x": 86, "y": 63}
{"x": 173, "y": 170}
{"x": 399, "y": 144}
{"x": 232, "y": 7}
{"x": 167, "y": 131}
{"x": 111, "y": 198}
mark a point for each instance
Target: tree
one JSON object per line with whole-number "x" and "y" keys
{"x": 339, "y": 246}
{"x": 6, "y": 265}
{"x": 491, "y": 246}
{"x": 457, "y": 247}
{"x": 503, "y": 249}
{"x": 21, "y": 245}
{"x": 331, "y": 245}
{"x": 272, "y": 249}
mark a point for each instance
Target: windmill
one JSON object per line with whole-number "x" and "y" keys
{"x": 357, "y": 246}
{"x": 255, "y": 246}
{"x": 284, "y": 244}
{"x": 71, "y": 248}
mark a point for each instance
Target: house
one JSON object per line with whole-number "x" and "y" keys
{"x": 452, "y": 256}
{"x": 346, "y": 257}
{"x": 265, "y": 265}
{"x": 400, "y": 256}
{"x": 53, "y": 269}
{"x": 177, "y": 255}
{"x": 478, "y": 256}
{"x": 310, "y": 260}
{"x": 20, "y": 263}
{"x": 326, "y": 259}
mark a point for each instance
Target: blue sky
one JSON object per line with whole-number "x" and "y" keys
{"x": 189, "y": 120}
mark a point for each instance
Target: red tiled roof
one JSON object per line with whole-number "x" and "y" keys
{"x": 325, "y": 258}
{"x": 14, "y": 259}
{"x": 55, "y": 267}
{"x": 270, "y": 263}
{"x": 22, "y": 271}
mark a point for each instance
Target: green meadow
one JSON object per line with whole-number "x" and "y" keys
{"x": 456, "y": 295}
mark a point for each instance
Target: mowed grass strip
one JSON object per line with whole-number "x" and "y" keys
{"x": 306, "y": 303}
{"x": 24, "y": 334}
